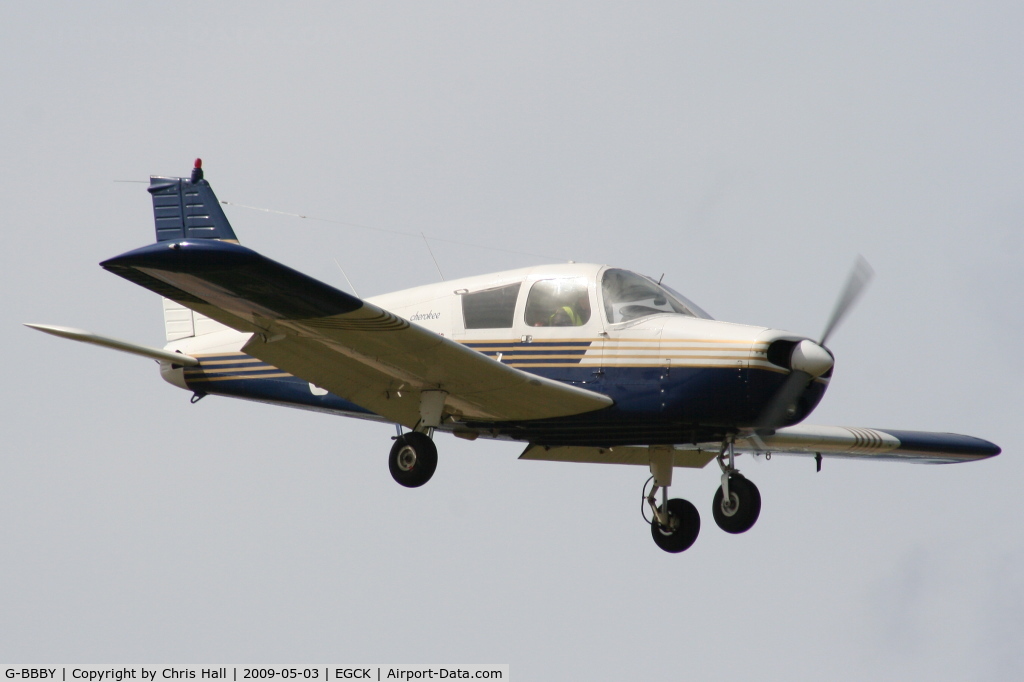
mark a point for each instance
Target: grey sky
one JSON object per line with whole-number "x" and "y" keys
{"x": 748, "y": 151}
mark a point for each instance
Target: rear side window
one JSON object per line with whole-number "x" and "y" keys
{"x": 490, "y": 308}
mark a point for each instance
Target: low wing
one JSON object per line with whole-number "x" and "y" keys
{"x": 354, "y": 349}
{"x": 881, "y": 444}
{"x": 804, "y": 439}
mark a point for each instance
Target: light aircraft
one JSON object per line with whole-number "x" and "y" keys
{"x": 583, "y": 363}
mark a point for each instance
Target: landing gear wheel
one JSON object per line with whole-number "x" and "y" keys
{"x": 743, "y": 508}
{"x": 413, "y": 459}
{"x": 683, "y": 527}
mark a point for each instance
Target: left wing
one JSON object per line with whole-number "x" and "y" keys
{"x": 881, "y": 444}
{"x": 355, "y": 349}
{"x": 804, "y": 439}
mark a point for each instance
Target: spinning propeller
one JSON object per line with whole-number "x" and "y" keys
{"x": 808, "y": 360}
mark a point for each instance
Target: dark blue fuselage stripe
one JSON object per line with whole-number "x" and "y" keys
{"x": 517, "y": 352}
{"x": 525, "y": 344}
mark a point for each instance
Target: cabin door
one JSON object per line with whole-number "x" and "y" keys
{"x": 559, "y": 332}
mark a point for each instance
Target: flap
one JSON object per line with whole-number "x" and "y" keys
{"x": 682, "y": 456}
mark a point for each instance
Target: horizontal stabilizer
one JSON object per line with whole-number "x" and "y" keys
{"x": 116, "y": 344}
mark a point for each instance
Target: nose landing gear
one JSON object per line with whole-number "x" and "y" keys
{"x": 737, "y": 502}
{"x": 739, "y": 514}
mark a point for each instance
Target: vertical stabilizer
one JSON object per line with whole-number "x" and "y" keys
{"x": 187, "y": 208}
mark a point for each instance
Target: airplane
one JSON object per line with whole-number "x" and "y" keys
{"x": 582, "y": 363}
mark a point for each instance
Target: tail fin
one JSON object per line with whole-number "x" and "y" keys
{"x": 187, "y": 208}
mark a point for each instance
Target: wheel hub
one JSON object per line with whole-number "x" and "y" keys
{"x": 406, "y": 459}
{"x": 672, "y": 527}
{"x": 732, "y": 506}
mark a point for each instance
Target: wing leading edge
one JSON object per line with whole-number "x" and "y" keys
{"x": 356, "y": 350}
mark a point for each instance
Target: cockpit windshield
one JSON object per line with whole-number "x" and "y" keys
{"x": 629, "y": 296}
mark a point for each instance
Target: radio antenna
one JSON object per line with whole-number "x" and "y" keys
{"x": 346, "y": 277}
{"x": 431, "y": 252}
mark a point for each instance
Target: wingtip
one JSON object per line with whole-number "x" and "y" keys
{"x": 55, "y": 329}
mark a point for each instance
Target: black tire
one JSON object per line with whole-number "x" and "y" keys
{"x": 742, "y": 515}
{"x": 684, "y": 526}
{"x": 413, "y": 459}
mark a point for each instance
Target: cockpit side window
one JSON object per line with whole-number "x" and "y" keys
{"x": 629, "y": 296}
{"x": 558, "y": 303}
{"x": 491, "y": 308}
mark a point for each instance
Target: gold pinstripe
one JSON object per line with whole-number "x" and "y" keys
{"x": 652, "y": 339}
{"x": 867, "y": 441}
{"x": 239, "y": 361}
{"x": 594, "y": 364}
{"x": 520, "y": 348}
{"x": 236, "y": 377}
{"x": 625, "y": 353}
{"x": 641, "y": 353}
{"x": 235, "y": 367}
{"x": 234, "y": 370}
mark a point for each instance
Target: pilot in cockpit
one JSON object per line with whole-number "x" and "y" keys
{"x": 574, "y": 311}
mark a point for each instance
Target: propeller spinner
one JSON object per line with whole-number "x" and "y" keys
{"x": 808, "y": 360}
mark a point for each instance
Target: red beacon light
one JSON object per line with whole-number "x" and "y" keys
{"x": 197, "y": 171}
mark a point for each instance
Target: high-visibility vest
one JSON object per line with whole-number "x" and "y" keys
{"x": 574, "y": 317}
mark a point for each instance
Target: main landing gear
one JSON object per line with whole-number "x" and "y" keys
{"x": 675, "y": 523}
{"x": 413, "y": 457}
